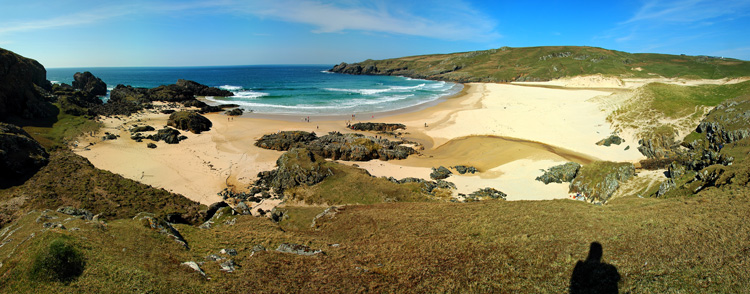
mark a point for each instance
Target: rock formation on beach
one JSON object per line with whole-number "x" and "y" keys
{"x": 335, "y": 145}
{"x": 90, "y": 84}
{"x": 23, "y": 88}
{"x": 377, "y": 127}
{"x": 189, "y": 121}
{"x": 560, "y": 173}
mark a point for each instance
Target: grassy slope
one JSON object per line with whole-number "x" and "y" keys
{"x": 672, "y": 245}
{"x": 529, "y": 63}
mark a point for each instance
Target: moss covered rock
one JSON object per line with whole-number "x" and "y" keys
{"x": 189, "y": 121}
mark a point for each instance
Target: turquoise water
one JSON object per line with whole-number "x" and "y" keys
{"x": 293, "y": 90}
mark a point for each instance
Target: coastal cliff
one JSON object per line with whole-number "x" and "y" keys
{"x": 23, "y": 84}
{"x": 546, "y": 63}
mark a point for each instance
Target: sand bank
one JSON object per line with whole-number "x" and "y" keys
{"x": 509, "y": 132}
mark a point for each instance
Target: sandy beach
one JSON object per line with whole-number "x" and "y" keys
{"x": 508, "y": 131}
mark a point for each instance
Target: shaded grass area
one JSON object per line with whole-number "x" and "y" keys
{"x": 59, "y": 131}
{"x": 70, "y": 179}
{"x": 657, "y": 245}
{"x": 674, "y": 101}
{"x": 544, "y": 63}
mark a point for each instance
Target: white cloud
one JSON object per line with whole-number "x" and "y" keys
{"x": 459, "y": 21}
{"x": 688, "y": 11}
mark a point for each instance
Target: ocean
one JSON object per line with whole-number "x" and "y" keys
{"x": 282, "y": 89}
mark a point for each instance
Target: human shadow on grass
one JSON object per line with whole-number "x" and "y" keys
{"x": 593, "y": 275}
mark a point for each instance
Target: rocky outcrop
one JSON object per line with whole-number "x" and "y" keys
{"x": 377, "y": 127}
{"x": 20, "y": 155}
{"x": 189, "y": 121}
{"x": 202, "y": 90}
{"x": 297, "y": 249}
{"x": 560, "y": 173}
{"x": 440, "y": 173}
{"x": 659, "y": 144}
{"x": 283, "y": 141}
{"x": 89, "y": 84}
{"x": 612, "y": 139}
{"x": 23, "y": 88}
{"x": 486, "y": 193}
{"x": 600, "y": 179}
{"x": 428, "y": 187}
{"x": 234, "y": 112}
{"x": 168, "y": 135}
{"x": 75, "y": 102}
{"x": 463, "y": 169}
{"x": 355, "y": 147}
{"x": 162, "y": 226}
{"x": 296, "y": 167}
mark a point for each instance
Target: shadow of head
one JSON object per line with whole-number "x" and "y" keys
{"x": 594, "y": 276}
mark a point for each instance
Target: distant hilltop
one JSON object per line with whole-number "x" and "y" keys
{"x": 508, "y": 64}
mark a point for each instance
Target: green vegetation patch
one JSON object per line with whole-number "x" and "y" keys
{"x": 60, "y": 132}
{"x": 61, "y": 261}
{"x": 352, "y": 185}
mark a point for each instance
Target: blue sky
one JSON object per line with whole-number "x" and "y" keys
{"x": 85, "y": 33}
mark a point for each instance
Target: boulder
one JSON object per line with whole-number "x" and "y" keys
{"x": 462, "y": 169}
{"x": 70, "y": 210}
{"x": 90, "y": 84}
{"x": 151, "y": 145}
{"x": 613, "y": 139}
{"x": 486, "y": 193}
{"x": 189, "y": 121}
{"x": 235, "y": 112}
{"x": 168, "y": 135}
{"x": 139, "y": 129}
{"x": 162, "y": 226}
{"x": 560, "y": 173}
{"x": 24, "y": 88}
{"x": 440, "y": 173}
{"x": 20, "y": 155}
{"x": 297, "y": 249}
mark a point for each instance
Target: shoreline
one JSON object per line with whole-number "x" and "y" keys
{"x": 473, "y": 126}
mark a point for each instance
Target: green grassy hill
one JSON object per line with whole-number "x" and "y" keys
{"x": 546, "y": 63}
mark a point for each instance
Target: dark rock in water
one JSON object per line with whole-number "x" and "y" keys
{"x": 170, "y": 93}
{"x": 168, "y": 135}
{"x": 377, "y": 127}
{"x": 440, "y": 173}
{"x": 297, "y": 249}
{"x": 162, "y": 226}
{"x": 234, "y": 112}
{"x": 24, "y": 88}
{"x": 613, "y": 139}
{"x": 151, "y": 145}
{"x": 283, "y": 141}
{"x": 90, "y": 84}
{"x": 139, "y": 129}
{"x": 70, "y": 210}
{"x": 189, "y": 121}
{"x": 297, "y": 166}
{"x": 462, "y": 169}
{"x": 600, "y": 179}
{"x": 20, "y": 155}
{"x": 560, "y": 173}
{"x": 202, "y": 90}
{"x": 486, "y": 193}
